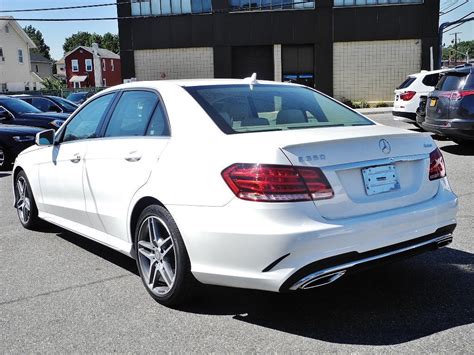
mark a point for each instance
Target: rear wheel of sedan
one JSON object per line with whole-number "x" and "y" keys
{"x": 25, "y": 203}
{"x": 162, "y": 259}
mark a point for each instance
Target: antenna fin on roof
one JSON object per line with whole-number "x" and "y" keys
{"x": 252, "y": 80}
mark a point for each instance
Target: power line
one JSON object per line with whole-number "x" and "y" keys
{"x": 454, "y": 8}
{"x": 457, "y": 25}
{"x": 453, "y": 2}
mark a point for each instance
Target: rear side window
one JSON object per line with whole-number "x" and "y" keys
{"x": 132, "y": 114}
{"x": 251, "y": 108}
{"x": 451, "y": 82}
{"x": 469, "y": 82}
{"x": 431, "y": 80}
{"x": 408, "y": 81}
{"x": 158, "y": 124}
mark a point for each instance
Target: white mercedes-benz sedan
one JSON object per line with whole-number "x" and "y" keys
{"x": 240, "y": 183}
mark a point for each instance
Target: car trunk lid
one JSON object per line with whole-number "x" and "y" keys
{"x": 371, "y": 169}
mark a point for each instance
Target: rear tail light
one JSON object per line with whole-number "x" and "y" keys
{"x": 277, "y": 183}
{"x": 458, "y": 95}
{"x": 437, "y": 167}
{"x": 407, "y": 96}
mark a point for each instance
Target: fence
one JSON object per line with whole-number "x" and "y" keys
{"x": 61, "y": 92}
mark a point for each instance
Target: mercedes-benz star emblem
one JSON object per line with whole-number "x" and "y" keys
{"x": 384, "y": 146}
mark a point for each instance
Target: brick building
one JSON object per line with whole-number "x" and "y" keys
{"x": 358, "y": 49}
{"x": 92, "y": 67}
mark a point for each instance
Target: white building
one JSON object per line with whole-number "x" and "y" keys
{"x": 15, "y": 65}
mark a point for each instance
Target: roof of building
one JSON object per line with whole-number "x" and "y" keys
{"x": 38, "y": 57}
{"x": 10, "y": 20}
{"x": 102, "y": 52}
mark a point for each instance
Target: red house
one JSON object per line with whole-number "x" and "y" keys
{"x": 92, "y": 67}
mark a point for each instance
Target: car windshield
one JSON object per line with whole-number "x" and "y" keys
{"x": 65, "y": 103}
{"x": 17, "y": 106}
{"x": 252, "y": 108}
{"x": 76, "y": 96}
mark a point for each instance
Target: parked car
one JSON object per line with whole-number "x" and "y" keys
{"x": 242, "y": 183}
{"x": 14, "y": 139}
{"x": 79, "y": 97}
{"x": 407, "y": 95}
{"x": 18, "y": 112}
{"x": 450, "y": 107}
{"x": 49, "y": 103}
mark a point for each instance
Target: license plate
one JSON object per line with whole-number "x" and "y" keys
{"x": 433, "y": 102}
{"x": 380, "y": 179}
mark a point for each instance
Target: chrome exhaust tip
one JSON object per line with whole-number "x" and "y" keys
{"x": 444, "y": 240}
{"x": 316, "y": 280}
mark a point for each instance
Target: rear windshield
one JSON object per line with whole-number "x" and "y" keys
{"x": 451, "y": 82}
{"x": 407, "y": 82}
{"x": 256, "y": 108}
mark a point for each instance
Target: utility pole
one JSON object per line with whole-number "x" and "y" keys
{"x": 455, "y": 34}
{"x": 442, "y": 28}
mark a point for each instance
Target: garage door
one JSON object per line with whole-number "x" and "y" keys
{"x": 253, "y": 59}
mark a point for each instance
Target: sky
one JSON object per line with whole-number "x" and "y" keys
{"x": 55, "y": 33}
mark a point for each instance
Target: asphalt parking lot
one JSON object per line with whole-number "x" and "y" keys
{"x": 63, "y": 293}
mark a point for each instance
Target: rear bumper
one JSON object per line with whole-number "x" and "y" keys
{"x": 457, "y": 128}
{"x": 404, "y": 116}
{"x": 262, "y": 246}
{"x": 328, "y": 270}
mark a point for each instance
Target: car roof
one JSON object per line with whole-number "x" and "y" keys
{"x": 464, "y": 69}
{"x": 161, "y": 84}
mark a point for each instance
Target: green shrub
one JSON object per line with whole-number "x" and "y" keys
{"x": 381, "y": 104}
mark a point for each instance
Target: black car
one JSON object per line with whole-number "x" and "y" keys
{"x": 49, "y": 103}
{"x": 14, "y": 139}
{"x": 79, "y": 97}
{"x": 18, "y": 112}
{"x": 450, "y": 107}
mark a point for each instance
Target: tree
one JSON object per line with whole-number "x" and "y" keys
{"x": 462, "y": 47}
{"x": 37, "y": 37}
{"x": 108, "y": 41}
{"x": 52, "y": 83}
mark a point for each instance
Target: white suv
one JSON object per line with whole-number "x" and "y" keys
{"x": 407, "y": 95}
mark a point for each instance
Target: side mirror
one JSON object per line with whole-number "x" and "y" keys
{"x": 45, "y": 137}
{"x": 4, "y": 114}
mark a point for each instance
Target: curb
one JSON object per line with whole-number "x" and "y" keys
{"x": 374, "y": 111}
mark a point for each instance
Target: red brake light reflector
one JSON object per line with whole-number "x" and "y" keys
{"x": 437, "y": 166}
{"x": 407, "y": 96}
{"x": 277, "y": 183}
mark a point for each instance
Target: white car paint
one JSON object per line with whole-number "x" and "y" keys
{"x": 229, "y": 240}
{"x": 403, "y": 108}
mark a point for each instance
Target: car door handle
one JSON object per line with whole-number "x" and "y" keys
{"x": 133, "y": 156}
{"x": 76, "y": 158}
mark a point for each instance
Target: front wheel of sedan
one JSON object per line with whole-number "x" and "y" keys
{"x": 162, "y": 259}
{"x": 25, "y": 203}
{"x": 5, "y": 163}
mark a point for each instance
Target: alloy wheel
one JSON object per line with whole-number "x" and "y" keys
{"x": 23, "y": 205}
{"x": 156, "y": 255}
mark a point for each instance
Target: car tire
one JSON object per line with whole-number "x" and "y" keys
{"x": 25, "y": 203}
{"x": 5, "y": 161}
{"x": 162, "y": 259}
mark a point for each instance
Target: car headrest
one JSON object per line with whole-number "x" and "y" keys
{"x": 291, "y": 116}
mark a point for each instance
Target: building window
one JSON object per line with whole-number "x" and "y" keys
{"x": 36, "y": 68}
{"x": 338, "y": 3}
{"x": 104, "y": 83}
{"x": 75, "y": 65}
{"x": 262, "y": 5}
{"x": 4, "y": 87}
{"x": 103, "y": 65}
{"x": 170, "y": 7}
{"x": 2, "y": 58}
{"x": 112, "y": 64}
{"x": 88, "y": 64}
{"x": 20, "y": 56}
